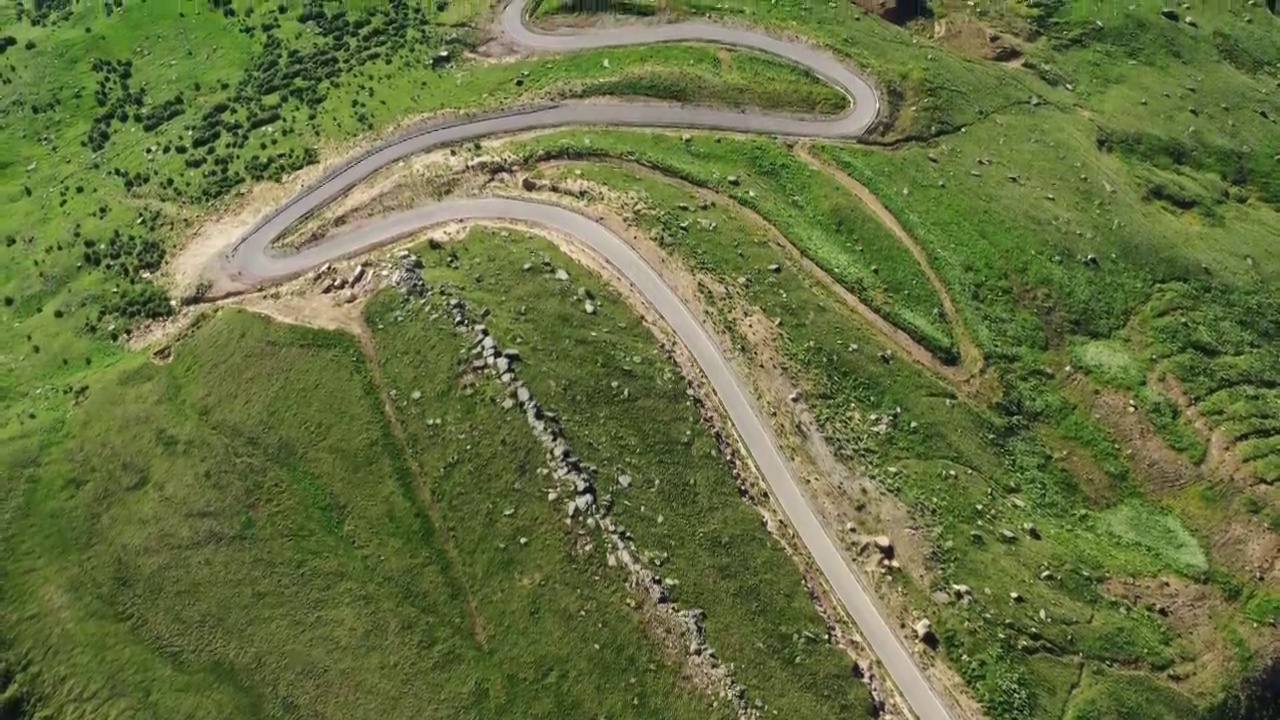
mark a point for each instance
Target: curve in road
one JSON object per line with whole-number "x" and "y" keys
{"x": 253, "y": 263}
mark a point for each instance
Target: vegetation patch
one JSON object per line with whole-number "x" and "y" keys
{"x": 973, "y": 481}
{"x": 626, "y": 411}
{"x": 819, "y": 217}
{"x": 1157, "y": 532}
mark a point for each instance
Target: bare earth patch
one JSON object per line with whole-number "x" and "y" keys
{"x": 1195, "y": 613}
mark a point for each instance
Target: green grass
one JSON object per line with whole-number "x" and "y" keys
{"x": 933, "y": 92}
{"x": 624, "y": 406}
{"x": 1117, "y": 695}
{"x": 956, "y": 469}
{"x": 240, "y": 551}
{"x": 1178, "y": 208}
{"x": 257, "y": 541}
{"x": 814, "y": 213}
{"x": 85, "y": 228}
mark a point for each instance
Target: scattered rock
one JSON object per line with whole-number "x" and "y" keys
{"x": 589, "y": 307}
{"x": 924, "y": 631}
{"x": 561, "y": 275}
{"x": 1015, "y": 596}
{"x": 884, "y": 545}
{"x": 624, "y": 481}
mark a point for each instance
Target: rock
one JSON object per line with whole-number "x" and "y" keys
{"x": 924, "y": 630}
{"x": 523, "y": 395}
{"x": 1190, "y": 21}
{"x": 1015, "y": 596}
{"x": 962, "y": 592}
{"x": 686, "y": 137}
{"x": 775, "y": 268}
{"x": 561, "y": 275}
{"x": 1090, "y": 260}
{"x": 733, "y": 180}
{"x": 624, "y": 481}
{"x": 1169, "y": 14}
{"x": 415, "y": 395}
{"x": 883, "y": 544}
{"x": 1032, "y": 531}
{"x": 1008, "y": 536}
{"x": 527, "y": 267}
{"x": 589, "y": 307}
{"x": 356, "y": 276}
{"x": 529, "y": 184}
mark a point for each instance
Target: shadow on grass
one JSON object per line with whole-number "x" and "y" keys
{"x": 1256, "y": 698}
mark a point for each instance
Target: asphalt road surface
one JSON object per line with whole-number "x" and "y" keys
{"x": 252, "y": 262}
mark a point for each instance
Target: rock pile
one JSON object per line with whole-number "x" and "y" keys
{"x": 408, "y": 275}
{"x": 583, "y": 503}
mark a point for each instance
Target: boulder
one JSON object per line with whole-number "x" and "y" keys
{"x": 883, "y": 544}
{"x": 924, "y": 630}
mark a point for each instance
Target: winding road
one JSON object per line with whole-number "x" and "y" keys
{"x": 252, "y": 262}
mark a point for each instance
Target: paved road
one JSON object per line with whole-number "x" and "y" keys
{"x": 252, "y": 262}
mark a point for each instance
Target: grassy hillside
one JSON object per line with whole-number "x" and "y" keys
{"x": 969, "y": 473}
{"x": 121, "y": 127}
{"x": 259, "y": 538}
{"x": 240, "y": 533}
{"x": 625, "y": 411}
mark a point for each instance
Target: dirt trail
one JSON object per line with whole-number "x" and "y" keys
{"x": 970, "y": 356}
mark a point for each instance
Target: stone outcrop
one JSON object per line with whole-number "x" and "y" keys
{"x": 584, "y": 505}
